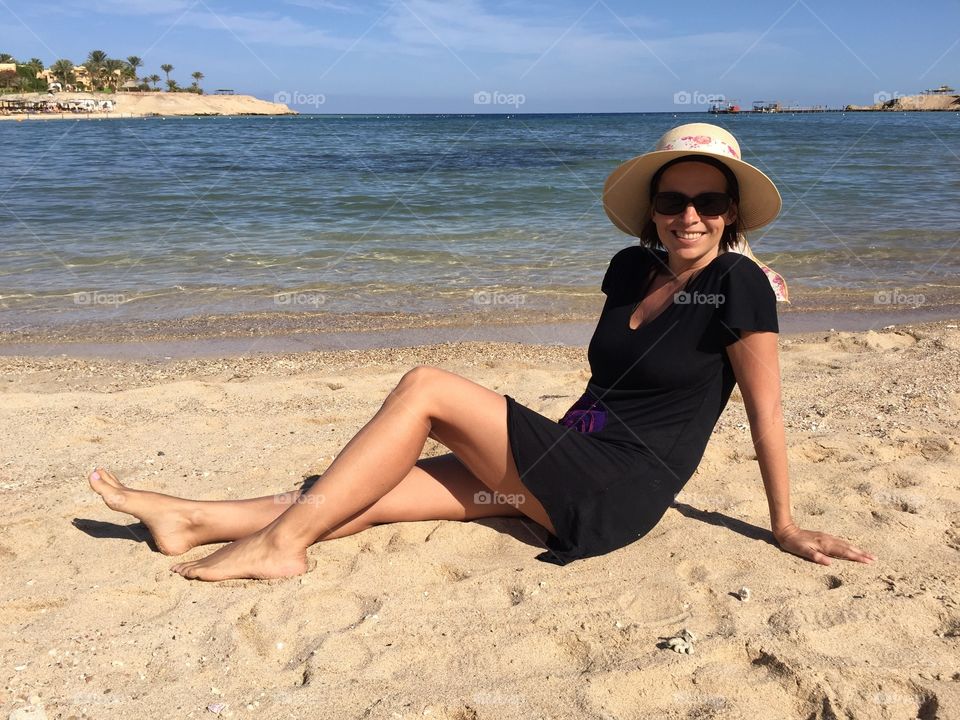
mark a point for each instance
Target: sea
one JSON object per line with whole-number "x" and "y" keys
{"x": 152, "y": 219}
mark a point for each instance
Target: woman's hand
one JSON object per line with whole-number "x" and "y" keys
{"x": 819, "y": 547}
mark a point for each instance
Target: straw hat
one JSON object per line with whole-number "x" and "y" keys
{"x": 626, "y": 193}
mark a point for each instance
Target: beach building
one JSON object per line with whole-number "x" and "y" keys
{"x": 81, "y": 79}
{"x": 942, "y": 90}
{"x": 767, "y": 106}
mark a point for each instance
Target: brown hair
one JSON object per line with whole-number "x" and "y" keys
{"x": 730, "y": 238}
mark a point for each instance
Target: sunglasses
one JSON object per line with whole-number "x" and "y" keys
{"x": 708, "y": 203}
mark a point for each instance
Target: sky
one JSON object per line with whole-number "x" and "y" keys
{"x": 465, "y": 56}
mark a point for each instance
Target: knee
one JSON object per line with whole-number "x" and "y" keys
{"x": 422, "y": 387}
{"x": 420, "y": 375}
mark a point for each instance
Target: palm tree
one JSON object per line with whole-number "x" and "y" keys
{"x": 7, "y": 58}
{"x": 167, "y": 69}
{"x": 95, "y": 66}
{"x": 136, "y": 63}
{"x": 34, "y": 68}
{"x": 114, "y": 72}
{"x": 172, "y": 86}
{"x": 154, "y": 79}
{"x": 197, "y": 77}
{"x": 63, "y": 71}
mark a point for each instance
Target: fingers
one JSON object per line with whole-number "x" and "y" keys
{"x": 846, "y": 551}
{"x": 820, "y": 547}
{"x": 819, "y": 557}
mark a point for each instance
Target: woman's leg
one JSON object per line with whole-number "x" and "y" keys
{"x": 437, "y": 488}
{"x": 427, "y": 402}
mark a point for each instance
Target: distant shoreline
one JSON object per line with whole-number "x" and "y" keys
{"x": 257, "y": 109}
{"x": 140, "y": 105}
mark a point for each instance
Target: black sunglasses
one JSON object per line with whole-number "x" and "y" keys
{"x": 708, "y": 203}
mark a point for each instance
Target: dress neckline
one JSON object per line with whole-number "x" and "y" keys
{"x": 651, "y": 276}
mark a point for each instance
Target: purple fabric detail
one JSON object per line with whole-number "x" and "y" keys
{"x": 586, "y": 415}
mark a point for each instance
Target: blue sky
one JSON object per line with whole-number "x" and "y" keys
{"x": 568, "y": 56}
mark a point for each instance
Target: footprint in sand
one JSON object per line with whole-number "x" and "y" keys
{"x": 449, "y": 573}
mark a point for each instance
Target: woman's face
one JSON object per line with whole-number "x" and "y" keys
{"x": 688, "y": 235}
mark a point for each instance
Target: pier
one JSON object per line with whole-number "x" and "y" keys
{"x": 768, "y": 107}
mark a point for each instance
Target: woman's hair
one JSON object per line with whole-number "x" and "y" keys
{"x": 649, "y": 235}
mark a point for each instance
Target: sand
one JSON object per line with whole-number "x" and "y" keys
{"x": 459, "y": 620}
{"x": 142, "y": 104}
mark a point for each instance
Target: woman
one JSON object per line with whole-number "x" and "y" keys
{"x": 684, "y": 320}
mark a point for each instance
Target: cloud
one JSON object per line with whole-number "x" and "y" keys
{"x": 519, "y": 38}
{"x": 325, "y": 5}
{"x": 597, "y": 38}
{"x": 126, "y": 7}
{"x": 266, "y": 29}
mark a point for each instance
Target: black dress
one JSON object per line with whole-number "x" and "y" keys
{"x": 611, "y": 467}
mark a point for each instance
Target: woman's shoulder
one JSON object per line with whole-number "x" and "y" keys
{"x": 634, "y": 253}
{"x": 625, "y": 266}
{"x": 735, "y": 267}
{"x": 635, "y": 257}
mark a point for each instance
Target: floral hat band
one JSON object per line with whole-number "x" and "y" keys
{"x": 704, "y": 143}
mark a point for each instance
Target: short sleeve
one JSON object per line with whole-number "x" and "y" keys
{"x": 622, "y": 270}
{"x": 748, "y": 301}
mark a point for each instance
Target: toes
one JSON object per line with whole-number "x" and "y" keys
{"x": 189, "y": 570}
{"x": 108, "y": 477}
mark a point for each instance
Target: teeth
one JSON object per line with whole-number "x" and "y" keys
{"x": 688, "y": 235}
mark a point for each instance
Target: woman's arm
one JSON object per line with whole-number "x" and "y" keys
{"x": 756, "y": 367}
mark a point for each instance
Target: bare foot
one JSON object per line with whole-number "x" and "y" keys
{"x": 261, "y": 556}
{"x": 170, "y": 520}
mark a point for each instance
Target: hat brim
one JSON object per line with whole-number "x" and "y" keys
{"x": 626, "y": 193}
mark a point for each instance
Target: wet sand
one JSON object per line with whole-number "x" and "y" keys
{"x": 238, "y": 334}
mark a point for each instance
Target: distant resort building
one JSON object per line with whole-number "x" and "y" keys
{"x": 942, "y": 90}
{"x": 81, "y": 80}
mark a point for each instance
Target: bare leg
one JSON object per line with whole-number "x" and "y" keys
{"x": 177, "y": 524}
{"x": 437, "y": 488}
{"x": 428, "y": 402}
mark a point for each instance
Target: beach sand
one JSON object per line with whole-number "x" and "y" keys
{"x": 459, "y": 620}
{"x": 143, "y": 104}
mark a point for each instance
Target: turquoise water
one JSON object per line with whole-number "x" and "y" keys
{"x": 162, "y": 218}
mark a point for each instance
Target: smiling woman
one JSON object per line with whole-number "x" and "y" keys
{"x": 683, "y": 322}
